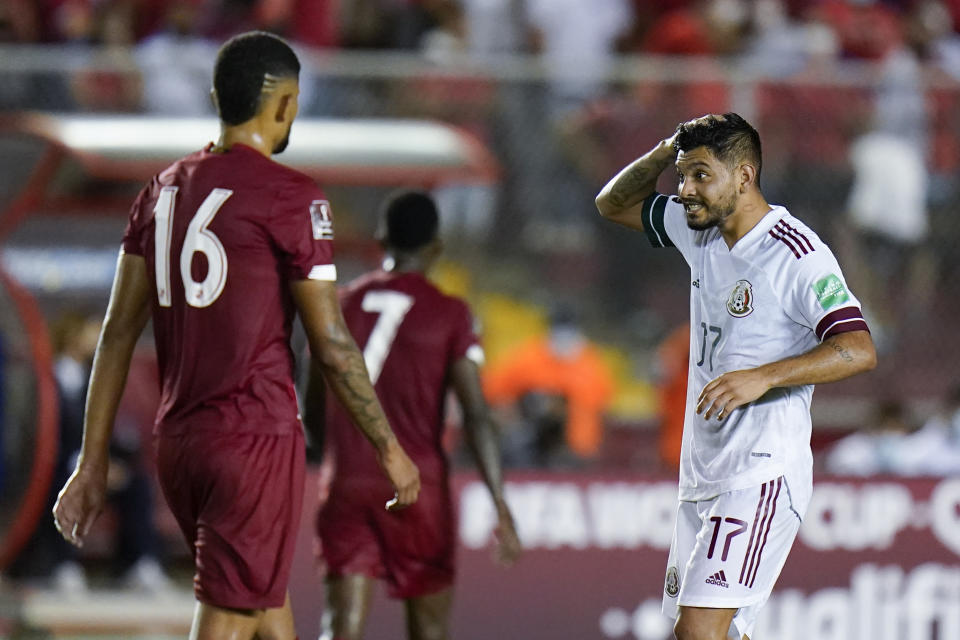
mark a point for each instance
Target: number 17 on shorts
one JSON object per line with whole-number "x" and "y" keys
{"x": 728, "y": 551}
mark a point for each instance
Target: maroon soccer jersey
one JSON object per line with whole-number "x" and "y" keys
{"x": 222, "y": 235}
{"x": 410, "y": 334}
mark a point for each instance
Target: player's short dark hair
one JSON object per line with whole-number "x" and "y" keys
{"x": 242, "y": 63}
{"x": 731, "y": 139}
{"x": 410, "y": 220}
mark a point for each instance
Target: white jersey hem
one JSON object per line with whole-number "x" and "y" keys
{"x": 710, "y": 490}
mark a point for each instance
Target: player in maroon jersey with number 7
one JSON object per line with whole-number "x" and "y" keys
{"x": 221, "y": 249}
{"x": 417, "y": 343}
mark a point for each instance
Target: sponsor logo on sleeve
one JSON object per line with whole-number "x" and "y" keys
{"x": 672, "y": 583}
{"x": 740, "y": 302}
{"x": 320, "y": 220}
{"x": 830, "y": 292}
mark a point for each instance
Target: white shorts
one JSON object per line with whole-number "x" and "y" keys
{"x": 728, "y": 551}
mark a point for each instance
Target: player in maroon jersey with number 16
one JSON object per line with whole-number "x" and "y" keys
{"x": 223, "y": 247}
{"x": 417, "y": 343}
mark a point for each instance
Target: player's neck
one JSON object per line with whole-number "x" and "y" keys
{"x": 247, "y": 134}
{"x": 395, "y": 263}
{"x": 750, "y": 210}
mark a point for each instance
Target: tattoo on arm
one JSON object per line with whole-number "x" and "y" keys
{"x": 842, "y": 352}
{"x": 633, "y": 180}
{"x": 347, "y": 375}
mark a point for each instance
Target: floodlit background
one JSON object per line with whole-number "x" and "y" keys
{"x": 513, "y": 113}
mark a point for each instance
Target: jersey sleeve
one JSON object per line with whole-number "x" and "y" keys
{"x": 464, "y": 340}
{"x": 302, "y": 229}
{"x": 140, "y": 214}
{"x": 665, "y": 223}
{"x": 818, "y": 296}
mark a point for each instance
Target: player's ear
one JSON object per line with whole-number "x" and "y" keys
{"x": 747, "y": 176}
{"x": 283, "y": 104}
{"x": 213, "y": 100}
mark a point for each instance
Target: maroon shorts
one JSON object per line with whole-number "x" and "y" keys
{"x": 412, "y": 550}
{"x": 237, "y": 499}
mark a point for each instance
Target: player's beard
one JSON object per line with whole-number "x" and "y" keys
{"x": 280, "y": 146}
{"x": 713, "y": 214}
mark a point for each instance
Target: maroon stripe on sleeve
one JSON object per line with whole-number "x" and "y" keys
{"x": 786, "y": 242}
{"x": 766, "y": 533}
{"x": 796, "y": 233}
{"x": 839, "y": 321}
{"x": 753, "y": 530}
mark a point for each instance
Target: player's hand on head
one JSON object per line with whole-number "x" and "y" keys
{"x": 725, "y": 393}
{"x": 403, "y": 474}
{"x": 80, "y": 502}
{"x": 508, "y": 548}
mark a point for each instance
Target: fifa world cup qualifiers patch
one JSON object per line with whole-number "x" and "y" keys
{"x": 320, "y": 220}
{"x": 830, "y": 292}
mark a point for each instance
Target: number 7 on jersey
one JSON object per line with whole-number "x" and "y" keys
{"x": 392, "y": 307}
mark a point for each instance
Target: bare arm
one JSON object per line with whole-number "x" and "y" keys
{"x": 838, "y": 357}
{"x": 336, "y": 354}
{"x": 81, "y": 498}
{"x": 621, "y": 199}
{"x": 485, "y": 446}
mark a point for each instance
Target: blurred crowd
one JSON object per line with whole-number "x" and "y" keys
{"x": 866, "y": 29}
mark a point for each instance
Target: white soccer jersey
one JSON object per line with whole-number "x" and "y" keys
{"x": 777, "y": 293}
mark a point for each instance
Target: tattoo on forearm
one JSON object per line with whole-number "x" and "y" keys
{"x": 842, "y": 352}
{"x": 633, "y": 180}
{"x": 351, "y": 383}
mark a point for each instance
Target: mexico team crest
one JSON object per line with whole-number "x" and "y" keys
{"x": 740, "y": 302}
{"x": 672, "y": 584}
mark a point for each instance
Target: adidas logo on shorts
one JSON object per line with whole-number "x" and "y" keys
{"x": 718, "y": 579}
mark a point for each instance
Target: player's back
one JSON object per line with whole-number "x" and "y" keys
{"x": 410, "y": 334}
{"x": 221, "y": 235}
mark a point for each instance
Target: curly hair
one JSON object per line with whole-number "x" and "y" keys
{"x": 731, "y": 138}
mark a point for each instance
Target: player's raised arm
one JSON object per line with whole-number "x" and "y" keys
{"x": 81, "y": 499}
{"x": 839, "y": 356}
{"x": 485, "y": 446}
{"x": 335, "y": 351}
{"x": 621, "y": 199}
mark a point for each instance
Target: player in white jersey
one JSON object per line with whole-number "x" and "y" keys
{"x": 771, "y": 316}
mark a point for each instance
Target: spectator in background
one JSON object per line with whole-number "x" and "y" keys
{"x": 891, "y": 445}
{"x": 887, "y": 204}
{"x": 18, "y": 21}
{"x": 175, "y": 64}
{"x": 48, "y": 556}
{"x": 883, "y": 447}
{"x": 937, "y": 442}
{"x": 108, "y": 78}
{"x": 703, "y": 28}
{"x": 494, "y": 27}
{"x": 570, "y": 379}
{"x": 578, "y": 42}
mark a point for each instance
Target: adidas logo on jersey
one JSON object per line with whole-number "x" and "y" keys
{"x": 718, "y": 579}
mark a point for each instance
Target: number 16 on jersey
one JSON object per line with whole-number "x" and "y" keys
{"x": 198, "y": 239}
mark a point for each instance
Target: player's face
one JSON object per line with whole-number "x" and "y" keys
{"x": 707, "y": 189}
